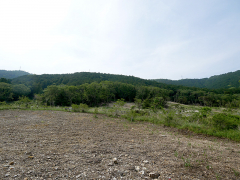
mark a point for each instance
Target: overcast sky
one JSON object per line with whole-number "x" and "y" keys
{"x": 150, "y": 39}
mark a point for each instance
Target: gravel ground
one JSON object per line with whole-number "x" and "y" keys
{"x": 65, "y": 145}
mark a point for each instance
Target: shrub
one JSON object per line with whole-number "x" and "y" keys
{"x": 75, "y": 108}
{"x": 83, "y": 107}
{"x": 3, "y": 103}
{"x": 169, "y": 119}
{"x": 205, "y": 111}
{"x": 194, "y": 118}
{"x": 224, "y": 121}
{"x": 79, "y": 108}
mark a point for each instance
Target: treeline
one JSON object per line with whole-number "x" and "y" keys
{"x": 96, "y": 88}
{"x": 39, "y": 82}
{"x": 222, "y": 81}
{"x": 9, "y": 92}
{"x": 221, "y": 98}
{"x": 96, "y": 94}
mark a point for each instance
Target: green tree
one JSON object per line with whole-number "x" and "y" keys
{"x": 50, "y": 94}
{"x": 20, "y": 90}
{"x": 5, "y": 92}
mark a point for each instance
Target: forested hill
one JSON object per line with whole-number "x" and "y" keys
{"x": 224, "y": 81}
{"x": 12, "y": 74}
{"x": 42, "y": 81}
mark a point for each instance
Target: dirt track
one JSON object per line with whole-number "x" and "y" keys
{"x": 64, "y": 145}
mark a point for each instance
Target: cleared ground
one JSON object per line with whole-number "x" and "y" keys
{"x": 65, "y": 145}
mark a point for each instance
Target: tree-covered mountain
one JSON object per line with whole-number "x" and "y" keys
{"x": 42, "y": 81}
{"x": 12, "y": 74}
{"x": 222, "y": 81}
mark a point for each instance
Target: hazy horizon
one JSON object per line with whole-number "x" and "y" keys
{"x": 165, "y": 39}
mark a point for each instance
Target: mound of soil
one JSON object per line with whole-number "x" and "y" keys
{"x": 65, "y": 145}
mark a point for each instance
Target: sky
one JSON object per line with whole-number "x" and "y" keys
{"x": 150, "y": 39}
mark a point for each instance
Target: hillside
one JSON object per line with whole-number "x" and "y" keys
{"x": 12, "y": 74}
{"x": 227, "y": 80}
{"x": 85, "y": 77}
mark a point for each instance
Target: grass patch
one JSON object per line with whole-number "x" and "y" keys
{"x": 202, "y": 120}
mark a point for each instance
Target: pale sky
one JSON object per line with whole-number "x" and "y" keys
{"x": 150, "y": 39}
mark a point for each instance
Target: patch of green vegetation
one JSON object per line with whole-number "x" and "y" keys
{"x": 202, "y": 120}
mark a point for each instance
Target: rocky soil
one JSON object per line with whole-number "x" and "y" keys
{"x": 65, "y": 145}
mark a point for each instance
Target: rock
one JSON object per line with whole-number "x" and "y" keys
{"x": 11, "y": 167}
{"x": 29, "y": 153}
{"x": 137, "y": 168}
{"x": 7, "y": 175}
{"x": 11, "y": 163}
{"x": 115, "y": 160}
{"x": 30, "y": 157}
{"x": 131, "y": 168}
{"x": 154, "y": 175}
{"x": 6, "y": 166}
{"x": 56, "y": 168}
{"x": 145, "y": 161}
{"x": 110, "y": 164}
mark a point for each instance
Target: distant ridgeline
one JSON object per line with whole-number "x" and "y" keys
{"x": 12, "y": 74}
{"x": 224, "y": 81}
{"x": 80, "y": 78}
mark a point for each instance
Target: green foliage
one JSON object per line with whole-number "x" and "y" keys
{"x": 138, "y": 103}
{"x": 5, "y": 92}
{"x": 169, "y": 119}
{"x": 215, "y": 82}
{"x": 5, "y": 80}
{"x": 3, "y": 103}
{"x": 80, "y": 108}
{"x": 224, "y": 121}
{"x": 205, "y": 111}
{"x": 119, "y": 103}
{"x": 98, "y": 88}
{"x": 20, "y": 90}
{"x": 75, "y": 108}
{"x": 158, "y": 102}
{"x": 24, "y": 100}
{"x": 236, "y": 173}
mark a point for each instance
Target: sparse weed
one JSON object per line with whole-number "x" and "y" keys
{"x": 236, "y": 173}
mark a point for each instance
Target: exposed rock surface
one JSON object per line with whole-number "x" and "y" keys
{"x": 65, "y": 145}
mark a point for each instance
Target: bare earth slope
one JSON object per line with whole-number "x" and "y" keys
{"x": 64, "y": 145}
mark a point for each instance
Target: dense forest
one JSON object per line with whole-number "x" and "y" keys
{"x": 224, "y": 81}
{"x": 94, "y": 89}
{"x": 12, "y": 74}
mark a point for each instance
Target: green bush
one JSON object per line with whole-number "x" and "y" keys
{"x": 194, "y": 118}
{"x": 79, "y": 108}
{"x": 224, "y": 121}
{"x": 83, "y": 107}
{"x": 3, "y": 103}
{"x": 205, "y": 111}
{"x": 75, "y": 108}
{"x": 169, "y": 119}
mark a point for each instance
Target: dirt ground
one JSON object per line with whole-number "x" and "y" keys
{"x": 65, "y": 145}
